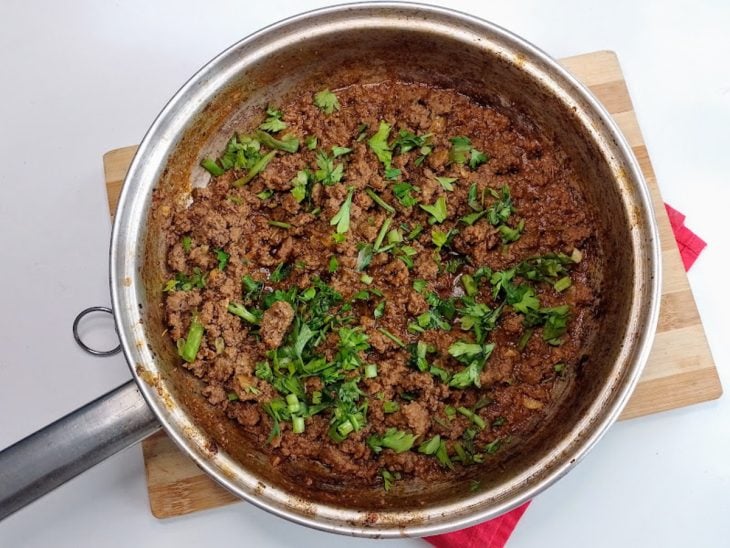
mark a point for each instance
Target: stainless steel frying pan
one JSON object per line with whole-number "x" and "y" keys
{"x": 334, "y": 47}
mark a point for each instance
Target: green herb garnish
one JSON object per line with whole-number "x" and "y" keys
{"x": 342, "y": 218}
{"x": 222, "y": 257}
{"x": 189, "y": 346}
{"x": 431, "y": 446}
{"x": 255, "y": 169}
{"x": 310, "y": 142}
{"x": 437, "y": 210}
{"x": 288, "y": 144}
{"x": 397, "y": 440}
{"x": 326, "y": 101}
{"x": 392, "y": 337}
{"x": 446, "y": 183}
{"x": 244, "y": 313}
{"x": 187, "y": 243}
{"x": 378, "y": 200}
{"x": 273, "y": 122}
{"x": 403, "y": 191}
{"x": 328, "y": 173}
{"x": 212, "y": 167}
{"x": 378, "y": 143}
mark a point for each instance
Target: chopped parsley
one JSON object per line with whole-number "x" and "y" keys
{"x": 342, "y": 218}
{"x": 447, "y": 183}
{"x": 407, "y": 141}
{"x": 397, "y": 440}
{"x": 273, "y": 122}
{"x": 327, "y": 173}
{"x": 403, "y": 191}
{"x": 389, "y": 478}
{"x": 431, "y": 446}
{"x": 222, "y": 257}
{"x": 187, "y": 243}
{"x": 310, "y": 142}
{"x": 462, "y": 151}
{"x": 301, "y": 184}
{"x": 437, "y": 210}
{"x": 378, "y": 143}
{"x": 392, "y": 174}
{"x": 326, "y": 101}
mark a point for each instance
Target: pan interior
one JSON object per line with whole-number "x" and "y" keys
{"x": 367, "y": 47}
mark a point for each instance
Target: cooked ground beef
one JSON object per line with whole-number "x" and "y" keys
{"x": 391, "y": 280}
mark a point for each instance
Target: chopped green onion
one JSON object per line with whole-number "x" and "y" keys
{"x": 371, "y": 371}
{"x": 297, "y": 424}
{"x": 493, "y": 447}
{"x": 469, "y": 284}
{"x": 366, "y": 279}
{"x": 292, "y": 402}
{"x": 232, "y": 396}
{"x": 188, "y": 347}
{"x": 316, "y": 397}
{"x": 378, "y": 200}
{"x": 397, "y": 440}
{"x": 562, "y": 284}
{"x": 524, "y": 339}
{"x": 345, "y": 428}
{"x": 381, "y": 233}
{"x": 379, "y": 310}
{"x": 279, "y": 224}
{"x": 469, "y": 414}
{"x": 242, "y": 312}
{"x": 392, "y": 337}
{"x": 333, "y": 264}
{"x": 257, "y": 168}
{"x": 288, "y": 144}
{"x": 212, "y": 167}
{"x": 390, "y": 406}
{"x": 222, "y": 258}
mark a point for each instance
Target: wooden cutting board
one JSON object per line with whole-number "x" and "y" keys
{"x": 680, "y": 370}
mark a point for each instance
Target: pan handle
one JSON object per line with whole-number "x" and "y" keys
{"x": 44, "y": 460}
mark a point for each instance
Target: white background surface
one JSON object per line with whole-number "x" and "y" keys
{"x": 80, "y": 78}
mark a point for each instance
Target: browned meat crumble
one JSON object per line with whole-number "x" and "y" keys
{"x": 388, "y": 280}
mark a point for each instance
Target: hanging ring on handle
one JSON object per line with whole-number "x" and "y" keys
{"x": 82, "y": 344}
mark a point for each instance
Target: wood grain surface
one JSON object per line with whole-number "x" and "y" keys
{"x": 680, "y": 370}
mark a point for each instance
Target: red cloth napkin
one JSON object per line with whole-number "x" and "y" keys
{"x": 690, "y": 244}
{"x": 495, "y": 533}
